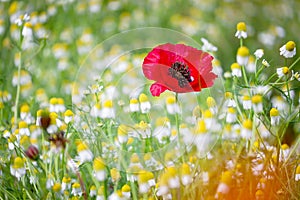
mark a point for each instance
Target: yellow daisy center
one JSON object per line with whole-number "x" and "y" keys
{"x": 235, "y": 66}
{"x": 274, "y": 112}
{"x": 290, "y": 45}
{"x": 243, "y": 51}
{"x": 241, "y": 26}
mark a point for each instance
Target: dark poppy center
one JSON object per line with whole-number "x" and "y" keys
{"x": 181, "y": 72}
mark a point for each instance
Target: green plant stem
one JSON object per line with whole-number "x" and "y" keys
{"x": 18, "y": 91}
{"x": 245, "y": 76}
{"x": 134, "y": 191}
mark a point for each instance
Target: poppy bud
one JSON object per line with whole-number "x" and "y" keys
{"x": 32, "y": 152}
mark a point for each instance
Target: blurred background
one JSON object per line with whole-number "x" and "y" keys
{"x": 72, "y": 28}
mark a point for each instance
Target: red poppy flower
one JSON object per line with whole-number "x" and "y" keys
{"x": 178, "y": 68}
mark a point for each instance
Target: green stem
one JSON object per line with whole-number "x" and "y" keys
{"x": 245, "y": 76}
{"x": 134, "y": 191}
{"x": 289, "y": 95}
{"x": 18, "y": 91}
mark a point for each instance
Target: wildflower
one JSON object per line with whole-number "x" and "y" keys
{"x": 23, "y": 128}
{"x": 135, "y": 162}
{"x": 217, "y": 68}
{"x": 2, "y": 26}
{"x": 297, "y": 173}
{"x": 210, "y": 120}
{"x": 163, "y": 129}
{"x": 201, "y": 138}
{"x": 85, "y": 155}
{"x": 212, "y": 105}
{"x": 25, "y": 114}
{"x": 56, "y": 187}
{"x": 224, "y": 185}
{"x": 117, "y": 195}
{"x": 18, "y": 168}
{"x": 229, "y": 101}
{"x": 58, "y": 140}
{"x": 143, "y": 129}
{"x": 242, "y": 56}
{"x": 25, "y": 78}
{"x": 241, "y": 30}
{"x": 279, "y": 103}
{"x": 259, "y": 195}
{"x": 96, "y": 110}
{"x": 177, "y": 67}
{"x": 52, "y": 106}
{"x": 231, "y": 115}
{"x": 262, "y": 183}
{"x": 257, "y": 103}
{"x": 66, "y": 183}
{"x": 13, "y": 141}
{"x": 134, "y": 105}
{"x": 115, "y": 175}
{"x": 282, "y": 71}
{"x": 32, "y": 152}
{"x": 53, "y": 126}
{"x": 76, "y": 189}
{"x": 207, "y": 46}
{"x": 259, "y": 53}
{"x": 60, "y": 107}
{"x": 93, "y": 191}
{"x": 6, "y": 134}
{"x": 173, "y": 134}
{"x": 263, "y": 130}
{"x": 162, "y": 186}
{"x": 108, "y": 111}
{"x": 5, "y": 96}
{"x": 284, "y": 152}
{"x": 186, "y": 174}
{"x": 126, "y": 191}
{"x": 246, "y": 100}
{"x": 122, "y": 134}
{"x": 41, "y": 97}
{"x": 173, "y": 179}
{"x": 27, "y": 30}
{"x": 69, "y": 115}
{"x": 295, "y": 76}
{"x": 99, "y": 169}
{"x": 143, "y": 179}
{"x": 288, "y": 50}
{"x": 275, "y": 117}
{"x": 265, "y": 63}
{"x": 60, "y": 50}
{"x": 251, "y": 67}
{"x": 246, "y": 131}
{"x": 144, "y": 103}
{"x": 236, "y": 70}
{"x": 172, "y": 105}
{"x": 100, "y": 193}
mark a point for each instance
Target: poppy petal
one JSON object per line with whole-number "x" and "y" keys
{"x": 156, "y": 89}
{"x": 158, "y": 62}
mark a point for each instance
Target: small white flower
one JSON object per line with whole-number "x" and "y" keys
{"x": 236, "y": 70}
{"x": 295, "y": 76}
{"x": 265, "y": 63}
{"x": 288, "y": 50}
{"x": 282, "y": 71}
{"x": 259, "y": 53}
{"x": 241, "y": 30}
{"x": 207, "y": 46}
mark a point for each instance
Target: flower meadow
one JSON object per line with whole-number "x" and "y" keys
{"x": 122, "y": 100}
